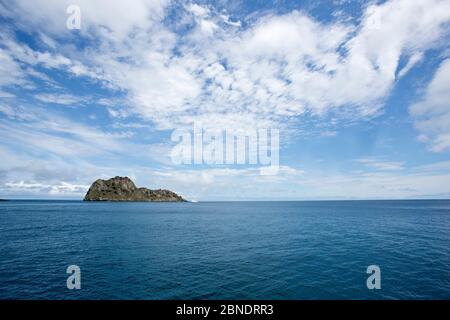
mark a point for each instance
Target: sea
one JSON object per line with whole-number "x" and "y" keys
{"x": 225, "y": 250}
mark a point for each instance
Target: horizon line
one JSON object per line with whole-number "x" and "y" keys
{"x": 197, "y": 201}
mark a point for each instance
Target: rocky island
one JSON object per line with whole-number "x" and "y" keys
{"x": 124, "y": 189}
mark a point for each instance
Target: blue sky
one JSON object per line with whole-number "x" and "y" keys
{"x": 359, "y": 91}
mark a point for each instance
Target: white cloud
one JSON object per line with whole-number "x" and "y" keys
{"x": 10, "y": 71}
{"x": 43, "y": 133}
{"x": 413, "y": 60}
{"x": 64, "y": 99}
{"x": 20, "y": 64}
{"x": 15, "y": 113}
{"x": 380, "y": 164}
{"x": 7, "y": 111}
{"x": 442, "y": 166}
{"x": 198, "y": 10}
{"x": 24, "y": 54}
{"x": 328, "y": 133}
{"x": 102, "y": 17}
{"x": 277, "y": 68}
{"x": 281, "y": 66}
{"x": 432, "y": 113}
{"x": 378, "y": 185}
{"x": 4, "y": 94}
{"x": 294, "y": 184}
{"x": 215, "y": 182}
{"x": 62, "y": 188}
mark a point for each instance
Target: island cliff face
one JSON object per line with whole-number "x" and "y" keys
{"x": 124, "y": 189}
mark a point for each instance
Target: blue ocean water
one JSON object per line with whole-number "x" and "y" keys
{"x": 225, "y": 250}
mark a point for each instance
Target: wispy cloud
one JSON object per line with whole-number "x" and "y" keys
{"x": 64, "y": 99}
{"x": 432, "y": 113}
{"x": 379, "y": 164}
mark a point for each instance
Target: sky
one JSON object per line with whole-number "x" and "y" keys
{"x": 358, "y": 90}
